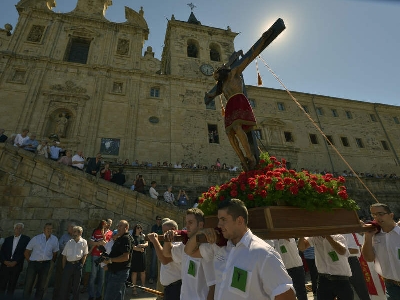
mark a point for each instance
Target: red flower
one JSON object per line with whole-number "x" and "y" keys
{"x": 263, "y": 193}
{"x": 279, "y": 186}
{"x": 221, "y": 198}
{"x": 243, "y": 187}
{"x": 234, "y": 193}
{"x": 341, "y": 179}
{"x": 250, "y": 197}
{"x": 294, "y": 190}
{"x": 272, "y": 158}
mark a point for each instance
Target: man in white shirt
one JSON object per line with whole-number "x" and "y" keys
{"x": 152, "y": 191}
{"x": 21, "y": 138}
{"x": 357, "y": 280}
{"x": 74, "y": 257}
{"x": 333, "y": 267}
{"x": 287, "y": 248}
{"x": 247, "y": 267}
{"x": 198, "y": 277}
{"x": 78, "y": 162}
{"x": 383, "y": 247}
{"x": 170, "y": 271}
{"x": 40, "y": 250}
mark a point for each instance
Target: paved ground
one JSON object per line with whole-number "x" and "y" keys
{"x": 128, "y": 295}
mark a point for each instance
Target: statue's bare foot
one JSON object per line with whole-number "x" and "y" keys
{"x": 251, "y": 163}
{"x": 245, "y": 165}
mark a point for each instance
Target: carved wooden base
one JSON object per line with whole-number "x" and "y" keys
{"x": 276, "y": 222}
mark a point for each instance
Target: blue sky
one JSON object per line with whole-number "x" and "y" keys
{"x": 340, "y": 48}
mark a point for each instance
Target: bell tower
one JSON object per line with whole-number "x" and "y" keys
{"x": 194, "y": 50}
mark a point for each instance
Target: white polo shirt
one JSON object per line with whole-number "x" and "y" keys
{"x": 250, "y": 270}
{"x": 170, "y": 272}
{"x": 75, "y": 250}
{"x": 77, "y": 157}
{"x": 327, "y": 260}
{"x": 387, "y": 253}
{"x": 197, "y": 274}
{"x": 352, "y": 244}
{"x": 289, "y": 252}
{"x": 42, "y": 249}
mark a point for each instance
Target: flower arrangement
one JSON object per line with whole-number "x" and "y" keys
{"x": 272, "y": 184}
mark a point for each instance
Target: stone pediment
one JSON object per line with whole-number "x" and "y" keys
{"x": 81, "y": 31}
{"x": 272, "y": 122}
{"x": 135, "y": 18}
{"x": 38, "y": 4}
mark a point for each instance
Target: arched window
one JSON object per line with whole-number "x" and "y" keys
{"x": 215, "y": 52}
{"x": 192, "y": 49}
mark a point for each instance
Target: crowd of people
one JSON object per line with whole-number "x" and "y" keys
{"x": 233, "y": 264}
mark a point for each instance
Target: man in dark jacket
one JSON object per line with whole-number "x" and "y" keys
{"x": 119, "y": 178}
{"x": 12, "y": 260}
{"x": 94, "y": 165}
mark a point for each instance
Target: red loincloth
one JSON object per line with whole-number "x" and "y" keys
{"x": 239, "y": 111}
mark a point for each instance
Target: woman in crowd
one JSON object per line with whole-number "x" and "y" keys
{"x": 138, "y": 262}
{"x": 106, "y": 173}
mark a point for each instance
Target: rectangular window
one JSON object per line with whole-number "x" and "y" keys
{"x": 211, "y": 105}
{"x": 320, "y": 111}
{"x": 288, "y": 136}
{"x": 78, "y": 50}
{"x": 345, "y": 141}
{"x": 281, "y": 106}
{"x": 313, "y": 139}
{"x": 373, "y": 117}
{"x": 359, "y": 143}
{"x": 305, "y": 107}
{"x": 258, "y": 134}
{"x": 385, "y": 145}
{"x": 330, "y": 139}
{"x": 396, "y": 120}
{"x": 252, "y": 103}
{"x": 335, "y": 113}
{"x": 155, "y": 92}
{"x": 349, "y": 115}
{"x": 213, "y": 137}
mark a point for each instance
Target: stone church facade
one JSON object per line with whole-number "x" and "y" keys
{"x": 90, "y": 81}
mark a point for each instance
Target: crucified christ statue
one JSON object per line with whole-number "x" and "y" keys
{"x": 239, "y": 117}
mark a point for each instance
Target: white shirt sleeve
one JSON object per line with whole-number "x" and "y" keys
{"x": 177, "y": 252}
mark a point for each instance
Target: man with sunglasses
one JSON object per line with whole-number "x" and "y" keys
{"x": 383, "y": 247}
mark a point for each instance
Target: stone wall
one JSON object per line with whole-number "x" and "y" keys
{"x": 35, "y": 190}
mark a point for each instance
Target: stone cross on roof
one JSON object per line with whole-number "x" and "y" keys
{"x": 192, "y": 6}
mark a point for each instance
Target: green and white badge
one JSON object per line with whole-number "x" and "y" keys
{"x": 192, "y": 268}
{"x": 333, "y": 255}
{"x": 239, "y": 279}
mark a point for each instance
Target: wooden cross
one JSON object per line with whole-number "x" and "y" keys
{"x": 237, "y": 58}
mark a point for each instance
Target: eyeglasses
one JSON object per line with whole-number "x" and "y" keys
{"x": 379, "y": 214}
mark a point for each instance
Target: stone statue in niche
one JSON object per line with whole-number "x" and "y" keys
{"x": 123, "y": 47}
{"x": 61, "y": 125}
{"x": 36, "y": 33}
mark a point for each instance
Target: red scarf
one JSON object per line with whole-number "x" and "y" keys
{"x": 367, "y": 273}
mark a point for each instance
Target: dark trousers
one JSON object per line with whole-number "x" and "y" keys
{"x": 313, "y": 274}
{"x": 329, "y": 289}
{"x": 8, "y": 279}
{"x": 39, "y": 269}
{"x": 392, "y": 290}
{"x": 58, "y": 277}
{"x": 71, "y": 279}
{"x": 299, "y": 282}
{"x": 116, "y": 285}
{"x": 173, "y": 291}
{"x": 357, "y": 279}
